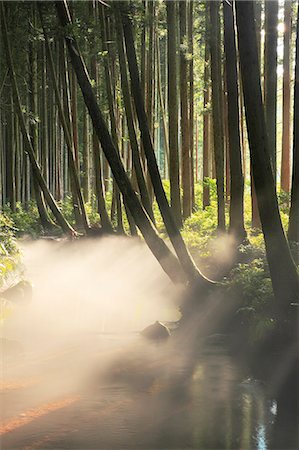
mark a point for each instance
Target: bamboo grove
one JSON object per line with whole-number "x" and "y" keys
{"x": 101, "y": 102}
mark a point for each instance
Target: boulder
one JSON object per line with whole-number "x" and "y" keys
{"x": 156, "y": 332}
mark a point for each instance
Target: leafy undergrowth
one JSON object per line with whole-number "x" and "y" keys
{"x": 10, "y": 260}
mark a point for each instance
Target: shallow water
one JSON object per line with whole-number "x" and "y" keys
{"x": 71, "y": 387}
{"x": 145, "y": 396}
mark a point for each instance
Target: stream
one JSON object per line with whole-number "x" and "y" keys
{"x": 77, "y": 387}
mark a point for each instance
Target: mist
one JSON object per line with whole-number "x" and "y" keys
{"x": 91, "y": 298}
{"x": 99, "y": 286}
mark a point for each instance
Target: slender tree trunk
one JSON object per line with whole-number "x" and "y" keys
{"x": 10, "y": 158}
{"x": 150, "y": 82}
{"x": 74, "y": 117}
{"x": 283, "y": 271}
{"x": 143, "y": 50}
{"x": 27, "y": 142}
{"x": 185, "y": 135}
{"x": 226, "y": 138}
{"x": 286, "y": 105}
{"x": 191, "y": 99}
{"x": 174, "y": 170}
{"x": 105, "y": 221}
{"x": 196, "y": 150}
{"x": 130, "y": 122}
{"x": 44, "y": 114}
{"x": 112, "y": 115}
{"x": 97, "y": 163}
{"x": 270, "y": 74}
{"x": 236, "y": 223}
{"x": 215, "y": 47}
{"x": 85, "y": 177}
{"x": 18, "y": 159}
{"x": 255, "y": 217}
{"x": 206, "y": 114}
{"x": 162, "y": 106}
{"x": 293, "y": 231}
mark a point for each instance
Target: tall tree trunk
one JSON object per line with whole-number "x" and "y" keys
{"x": 86, "y": 168}
{"x": 174, "y": 168}
{"x": 18, "y": 158}
{"x": 10, "y": 187}
{"x": 206, "y": 114}
{"x": 162, "y": 106}
{"x": 112, "y": 114}
{"x": 150, "y": 81}
{"x": 185, "y": 136}
{"x": 74, "y": 117}
{"x": 255, "y": 217}
{"x": 293, "y": 231}
{"x": 286, "y": 102}
{"x": 236, "y": 223}
{"x": 270, "y": 74}
{"x": 215, "y": 48}
{"x": 191, "y": 99}
{"x": 283, "y": 271}
{"x": 27, "y": 142}
{"x": 96, "y": 152}
{"x": 44, "y": 118}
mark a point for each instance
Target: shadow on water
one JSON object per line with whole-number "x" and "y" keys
{"x": 83, "y": 389}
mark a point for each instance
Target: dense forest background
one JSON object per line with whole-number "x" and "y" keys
{"x": 180, "y": 49}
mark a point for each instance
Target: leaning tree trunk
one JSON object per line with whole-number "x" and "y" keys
{"x": 172, "y": 93}
{"x": 236, "y": 224}
{"x": 172, "y": 229}
{"x": 167, "y": 260}
{"x": 283, "y": 271}
{"x": 26, "y": 139}
{"x": 293, "y": 231}
{"x": 217, "y": 110}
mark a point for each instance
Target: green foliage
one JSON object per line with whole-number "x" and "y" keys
{"x": 26, "y": 221}
{"x": 7, "y": 239}
{"x": 251, "y": 284}
{"x": 284, "y": 200}
{"x": 253, "y": 281}
{"x": 9, "y": 253}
